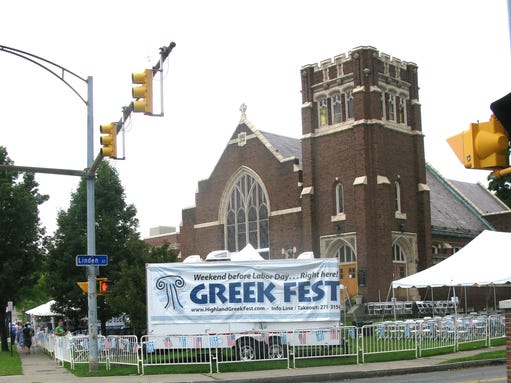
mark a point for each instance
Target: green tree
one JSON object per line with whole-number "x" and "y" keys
{"x": 130, "y": 283}
{"x": 115, "y": 225}
{"x": 21, "y": 237}
{"x": 502, "y": 188}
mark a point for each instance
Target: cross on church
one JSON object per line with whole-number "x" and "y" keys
{"x": 243, "y": 109}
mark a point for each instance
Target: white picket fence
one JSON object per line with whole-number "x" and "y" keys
{"x": 286, "y": 347}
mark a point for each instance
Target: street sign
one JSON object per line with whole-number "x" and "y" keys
{"x": 92, "y": 260}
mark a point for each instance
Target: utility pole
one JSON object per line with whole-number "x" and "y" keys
{"x": 93, "y": 163}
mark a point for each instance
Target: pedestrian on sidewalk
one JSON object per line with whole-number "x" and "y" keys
{"x": 28, "y": 333}
{"x": 19, "y": 336}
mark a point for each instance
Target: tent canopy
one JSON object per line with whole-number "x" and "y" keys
{"x": 43, "y": 310}
{"x": 483, "y": 261}
{"x": 248, "y": 253}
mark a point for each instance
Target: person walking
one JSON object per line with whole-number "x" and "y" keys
{"x": 19, "y": 335}
{"x": 28, "y": 333}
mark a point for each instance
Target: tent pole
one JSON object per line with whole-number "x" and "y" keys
{"x": 455, "y": 305}
{"x": 393, "y": 302}
{"x": 466, "y": 303}
{"x": 432, "y": 303}
{"x": 494, "y": 298}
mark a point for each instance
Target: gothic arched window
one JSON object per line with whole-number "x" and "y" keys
{"x": 399, "y": 262}
{"x": 247, "y": 215}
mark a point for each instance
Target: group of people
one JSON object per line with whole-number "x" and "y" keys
{"x": 22, "y": 334}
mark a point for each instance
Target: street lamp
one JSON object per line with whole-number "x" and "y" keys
{"x": 91, "y": 233}
{"x": 90, "y": 172}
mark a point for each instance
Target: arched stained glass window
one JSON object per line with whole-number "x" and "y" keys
{"x": 247, "y": 215}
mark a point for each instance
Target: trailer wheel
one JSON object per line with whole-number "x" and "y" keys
{"x": 275, "y": 349}
{"x": 246, "y": 349}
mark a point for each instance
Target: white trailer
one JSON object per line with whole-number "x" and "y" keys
{"x": 241, "y": 304}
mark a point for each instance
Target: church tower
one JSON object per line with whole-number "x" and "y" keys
{"x": 364, "y": 197}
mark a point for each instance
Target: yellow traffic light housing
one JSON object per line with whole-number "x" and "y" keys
{"x": 144, "y": 92}
{"x": 84, "y": 286}
{"x": 109, "y": 140}
{"x": 484, "y": 145}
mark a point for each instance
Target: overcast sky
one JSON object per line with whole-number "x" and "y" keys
{"x": 227, "y": 53}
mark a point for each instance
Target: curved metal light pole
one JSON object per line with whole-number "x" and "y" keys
{"x": 91, "y": 229}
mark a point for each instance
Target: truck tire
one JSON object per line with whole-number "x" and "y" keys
{"x": 275, "y": 349}
{"x": 246, "y": 349}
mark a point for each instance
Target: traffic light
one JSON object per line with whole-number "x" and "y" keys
{"x": 502, "y": 110}
{"x": 108, "y": 140}
{"x": 144, "y": 92}
{"x": 484, "y": 145}
{"x": 104, "y": 286}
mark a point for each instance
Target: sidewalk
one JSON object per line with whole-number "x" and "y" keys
{"x": 38, "y": 367}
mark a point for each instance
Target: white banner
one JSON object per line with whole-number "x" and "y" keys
{"x": 277, "y": 291}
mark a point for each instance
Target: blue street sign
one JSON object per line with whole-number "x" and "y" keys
{"x": 92, "y": 260}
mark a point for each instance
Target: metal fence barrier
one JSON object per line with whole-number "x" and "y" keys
{"x": 159, "y": 350}
{"x": 215, "y": 350}
{"x": 324, "y": 343}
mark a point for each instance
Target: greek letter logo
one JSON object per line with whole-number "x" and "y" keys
{"x": 170, "y": 284}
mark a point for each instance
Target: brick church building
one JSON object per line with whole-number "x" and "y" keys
{"x": 355, "y": 186}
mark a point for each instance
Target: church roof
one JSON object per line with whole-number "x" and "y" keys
{"x": 286, "y": 146}
{"x": 456, "y": 207}
{"x": 485, "y": 201}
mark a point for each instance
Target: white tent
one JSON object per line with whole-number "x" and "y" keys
{"x": 43, "y": 310}
{"x": 485, "y": 260}
{"x": 248, "y": 253}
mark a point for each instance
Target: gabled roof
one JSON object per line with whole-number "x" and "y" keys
{"x": 287, "y": 146}
{"x": 283, "y": 147}
{"x": 482, "y": 198}
{"x": 458, "y": 207}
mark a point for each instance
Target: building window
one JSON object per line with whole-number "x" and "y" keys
{"x": 398, "y": 261}
{"x": 402, "y": 111}
{"x": 398, "y": 254}
{"x": 345, "y": 254}
{"x": 323, "y": 111}
{"x": 339, "y": 199}
{"x": 336, "y": 108}
{"x": 247, "y": 215}
{"x": 391, "y": 107}
{"x": 350, "y": 107}
{"x": 383, "y": 106}
{"x": 398, "y": 197}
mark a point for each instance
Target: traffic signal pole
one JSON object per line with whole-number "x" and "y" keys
{"x": 92, "y": 165}
{"x": 91, "y": 236}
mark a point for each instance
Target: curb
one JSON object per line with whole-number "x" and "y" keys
{"x": 339, "y": 376}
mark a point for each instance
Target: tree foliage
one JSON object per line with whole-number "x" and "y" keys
{"x": 116, "y": 237}
{"x": 502, "y": 188}
{"x": 21, "y": 237}
{"x": 115, "y": 224}
{"x": 130, "y": 283}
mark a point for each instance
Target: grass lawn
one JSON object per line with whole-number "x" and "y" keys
{"x": 10, "y": 364}
{"x": 499, "y": 354}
